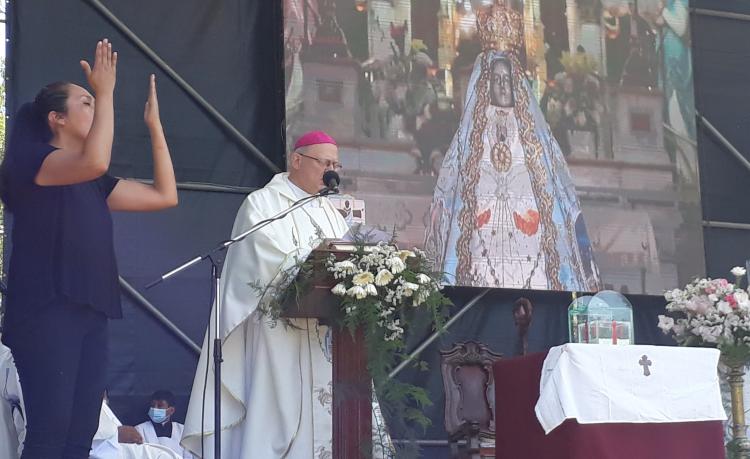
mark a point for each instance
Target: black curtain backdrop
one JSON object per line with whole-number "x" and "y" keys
{"x": 721, "y": 61}
{"x": 145, "y": 355}
{"x": 230, "y": 50}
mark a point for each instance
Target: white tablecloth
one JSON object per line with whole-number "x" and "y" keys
{"x": 628, "y": 384}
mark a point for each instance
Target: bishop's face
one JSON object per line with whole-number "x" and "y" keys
{"x": 310, "y": 163}
{"x": 501, "y": 84}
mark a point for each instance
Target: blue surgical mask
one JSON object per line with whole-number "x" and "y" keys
{"x": 158, "y": 415}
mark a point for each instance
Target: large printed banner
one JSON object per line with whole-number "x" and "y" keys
{"x": 541, "y": 144}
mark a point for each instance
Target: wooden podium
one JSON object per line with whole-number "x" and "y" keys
{"x": 352, "y": 386}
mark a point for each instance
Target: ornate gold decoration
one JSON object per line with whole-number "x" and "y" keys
{"x": 736, "y": 377}
{"x": 533, "y": 152}
{"x": 470, "y": 178}
{"x": 500, "y": 28}
{"x": 501, "y": 154}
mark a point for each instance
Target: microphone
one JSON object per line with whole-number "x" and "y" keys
{"x": 332, "y": 180}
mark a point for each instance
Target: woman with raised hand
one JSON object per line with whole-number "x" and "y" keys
{"x": 63, "y": 281}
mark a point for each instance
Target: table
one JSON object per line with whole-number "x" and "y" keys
{"x": 520, "y": 436}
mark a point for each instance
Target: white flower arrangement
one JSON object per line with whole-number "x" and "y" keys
{"x": 381, "y": 289}
{"x": 380, "y": 282}
{"x": 383, "y": 278}
{"x": 710, "y": 312}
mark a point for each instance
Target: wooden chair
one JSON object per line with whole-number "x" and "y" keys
{"x": 469, "y": 399}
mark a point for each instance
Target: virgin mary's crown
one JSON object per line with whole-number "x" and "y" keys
{"x": 500, "y": 28}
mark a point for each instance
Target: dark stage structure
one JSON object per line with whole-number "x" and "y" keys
{"x": 219, "y": 67}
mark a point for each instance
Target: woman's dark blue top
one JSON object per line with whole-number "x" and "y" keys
{"x": 62, "y": 243}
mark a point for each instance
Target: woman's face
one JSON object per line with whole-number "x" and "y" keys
{"x": 501, "y": 84}
{"x": 80, "y": 113}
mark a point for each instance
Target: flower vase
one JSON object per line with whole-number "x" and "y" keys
{"x": 740, "y": 444}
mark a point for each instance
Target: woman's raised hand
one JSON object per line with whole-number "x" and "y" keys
{"x": 151, "y": 112}
{"x": 102, "y": 76}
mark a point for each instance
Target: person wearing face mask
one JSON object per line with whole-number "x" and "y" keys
{"x": 160, "y": 429}
{"x": 111, "y": 441}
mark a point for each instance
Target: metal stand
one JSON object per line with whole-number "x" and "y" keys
{"x": 216, "y": 278}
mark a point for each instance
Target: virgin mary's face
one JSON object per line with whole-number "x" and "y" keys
{"x": 501, "y": 84}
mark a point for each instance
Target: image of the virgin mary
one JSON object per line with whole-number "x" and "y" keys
{"x": 505, "y": 212}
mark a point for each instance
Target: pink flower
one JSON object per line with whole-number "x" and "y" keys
{"x": 731, "y": 300}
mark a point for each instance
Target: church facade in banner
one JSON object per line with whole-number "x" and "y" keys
{"x": 522, "y": 143}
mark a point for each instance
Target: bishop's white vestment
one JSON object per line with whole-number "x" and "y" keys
{"x": 276, "y": 380}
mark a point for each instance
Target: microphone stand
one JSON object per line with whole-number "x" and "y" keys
{"x": 215, "y": 281}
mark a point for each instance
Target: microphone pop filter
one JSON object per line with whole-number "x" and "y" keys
{"x": 331, "y": 180}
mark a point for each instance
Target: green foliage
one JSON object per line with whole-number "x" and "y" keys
{"x": 578, "y": 64}
{"x": 733, "y": 449}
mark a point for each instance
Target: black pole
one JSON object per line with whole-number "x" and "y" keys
{"x": 247, "y": 147}
{"x": 216, "y": 276}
